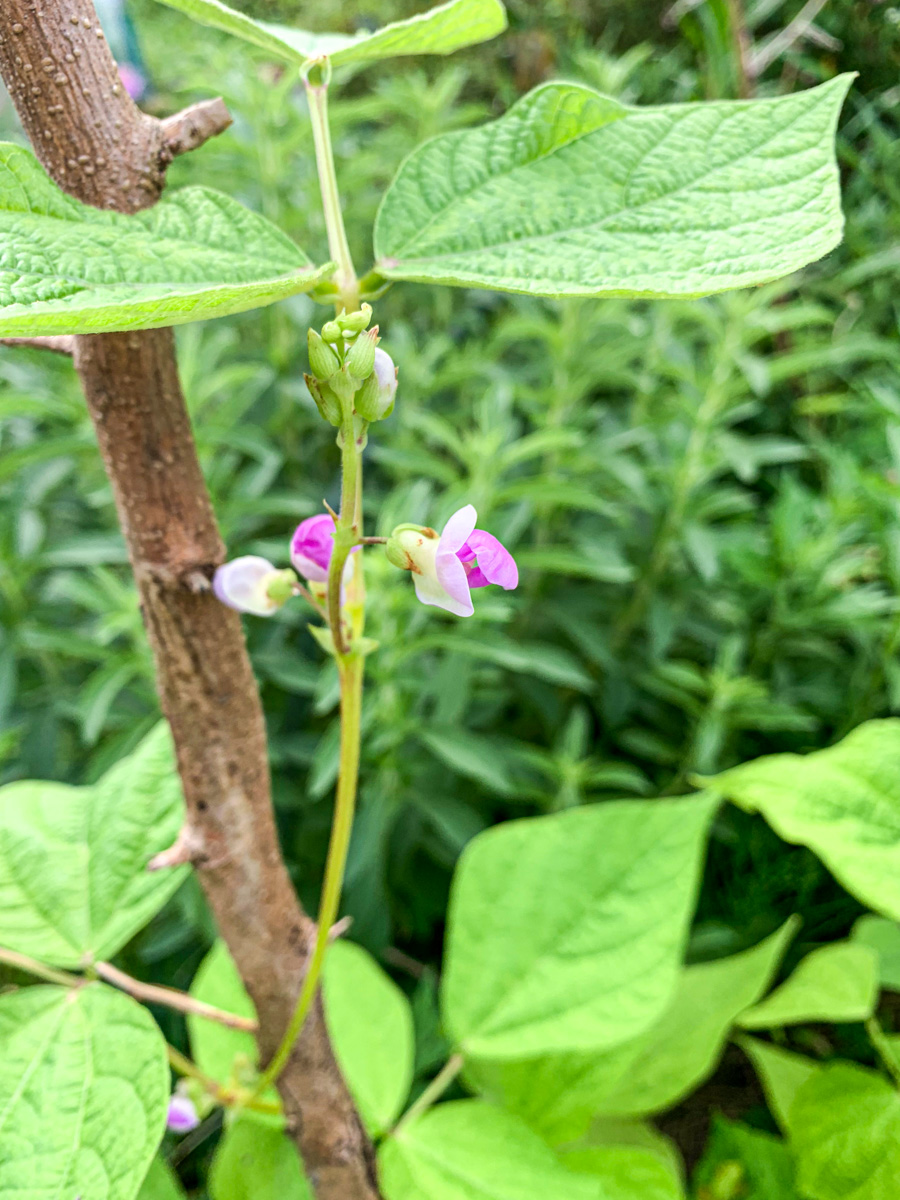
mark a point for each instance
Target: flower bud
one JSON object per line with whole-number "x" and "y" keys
{"x": 356, "y": 322}
{"x": 182, "y": 1114}
{"x": 331, "y": 331}
{"x": 361, "y": 359}
{"x": 412, "y": 548}
{"x": 326, "y": 401}
{"x": 243, "y": 584}
{"x": 322, "y": 358}
{"x": 375, "y": 399}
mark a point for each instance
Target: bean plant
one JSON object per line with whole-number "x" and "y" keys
{"x": 569, "y": 1019}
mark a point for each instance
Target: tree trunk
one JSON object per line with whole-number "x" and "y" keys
{"x": 100, "y": 148}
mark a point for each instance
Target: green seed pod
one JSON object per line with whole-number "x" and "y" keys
{"x": 322, "y": 358}
{"x": 331, "y": 331}
{"x": 326, "y": 401}
{"x": 361, "y": 359}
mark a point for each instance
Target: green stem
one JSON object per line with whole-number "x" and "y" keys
{"x": 12, "y": 958}
{"x": 351, "y": 677}
{"x": 339, "y": 247}
{"x": 432, "y": 1092}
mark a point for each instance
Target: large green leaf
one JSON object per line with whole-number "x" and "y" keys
{"x": 838, "y": 982}
{"x": 218, "y": 1051}
{"x": 255, "y": 1161}
{"x": 83, "y": 1094}
{"x": 845, "y": 1131}
{"x": 74, "y": 885}
{"x": 566, "y": 932}
{"x": 161, "y": 1183}
{"x": 782, "y": 1073}
{"x": 844, "y": 803}
{"x": 371, "y": 1027}
{"x": 440, "y": 30}
{"x": 468, "y": 1150}
{"x": 69, "y": 268}
{"x": 883, "y": 937}
{"x": 755, "y": 1165}
{"x": 559, "y": 1094}
{"x": 626, "y": 1173}
{"x": 573, "y": 193}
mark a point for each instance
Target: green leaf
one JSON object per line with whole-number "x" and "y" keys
{"x": 371, "y": 1027}
{"x": 626, "y": 1173}
{"x": 573, "y": 193}
{"x": 757, "y": 1165}
{"x": 845, "y": 1132}
{"x": 83, "y": 1094}
{"x": 559, "y": 1094}
{"x": 161, "y": 1183}
{"x": 838, "y": 982}
{"x": 565, "y": 932}
{"x": 255, "y": 1161}
{"x": 844, "y": 803}
{"x": 217, "y": 1050}
{"x": 468, "y": 1150}
{"x": 782, "y": 1073}
{"x": 883, "y": 937}
{"x": 68, "y": 268}
{"x": 440, "y": 30}
{"x": 74, "y": 885}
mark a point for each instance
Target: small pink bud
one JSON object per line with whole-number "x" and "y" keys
{"x": 251, "y": 585}
{"x": 182, "y": 1115}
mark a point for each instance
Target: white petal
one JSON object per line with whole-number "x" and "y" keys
{"x": 457, "y": 530}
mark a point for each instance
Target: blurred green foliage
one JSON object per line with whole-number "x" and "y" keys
{"x": 703, "y": 497}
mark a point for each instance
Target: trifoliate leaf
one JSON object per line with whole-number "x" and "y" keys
{"x": 573, "y": 193}
{"x": 843, "y": 803}
{"x": 83, "y": 1094}
{"x": 566, "y": 932}
{"x": 439, "y": 30}
{"x": 74, "y": 884}
{"x": 67, "y": 268}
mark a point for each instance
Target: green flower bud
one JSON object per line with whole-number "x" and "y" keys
{"x": 322, "y": 358}
{"x": 412, "y": 548}
{"x": 356, "y": 322}
{"x": 375, "y": 399}
{"x": 281, "y": 586}
{"x": 331, "y": 331}
{"x": 326, "y": 401}
{"x": 361, "y": 359}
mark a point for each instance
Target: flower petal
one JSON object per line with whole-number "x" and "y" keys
{"x": 456, "y": 532}
{"x": 242, "y": 583}
{"x": 182, "y": 1115}
{"x": 451, "y": 575}
{"x": 495, "y": 563}
{"x": 312, "y": 546}
{"x": 430, "y": 591}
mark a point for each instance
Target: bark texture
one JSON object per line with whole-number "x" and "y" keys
{"x": 100, "y": 148}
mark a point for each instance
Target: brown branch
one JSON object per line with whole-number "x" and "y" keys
{"x": 99, "y": 147}
{"x": 151, "y": 993}
{"x": 195, "y": 125}
{"x": 59, "y": 345}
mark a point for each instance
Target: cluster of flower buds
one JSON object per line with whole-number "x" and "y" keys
{"x": 349, "y": 369}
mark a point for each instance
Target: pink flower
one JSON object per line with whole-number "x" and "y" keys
{"x": 182, "y": 1115}
{"x": 311, "y": 547}
{"x": 446, "y": 567}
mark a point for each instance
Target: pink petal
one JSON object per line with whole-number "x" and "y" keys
{"x": 456, "y": 531}
{"x": 451, "y": 575}
{"x": 182, "y": 1115}
{"x": 495, "y": 563}
{"x": 311, "y": 547}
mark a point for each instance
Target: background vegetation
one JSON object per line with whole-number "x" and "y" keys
{"x": 703, "y": 498}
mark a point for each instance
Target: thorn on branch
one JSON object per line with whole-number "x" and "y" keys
{"x": 195, "y": 125}
{"x": 187, "y": 848}
{"x": 58, "y": 345}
